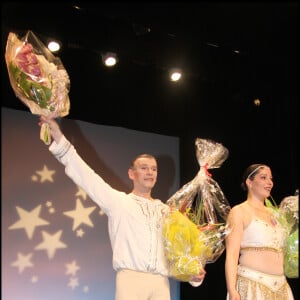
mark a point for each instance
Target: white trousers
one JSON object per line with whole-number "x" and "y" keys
{"x": 133, "y": 285}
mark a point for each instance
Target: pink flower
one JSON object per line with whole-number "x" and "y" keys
{"x": 27, "y": 61}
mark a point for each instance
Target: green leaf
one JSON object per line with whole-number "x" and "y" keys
{"x": 32, "y": 90}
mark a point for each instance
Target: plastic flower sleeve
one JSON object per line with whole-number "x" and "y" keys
{"x": 210, "y": 155}
{"x": 189, "y": 247}
{"x": 289, "y": 207}
{"x": 287, "y": 214}
{"x": 37, "y": 77}
{"x": 291, "y": 255}
{"x": 195, "y": 228}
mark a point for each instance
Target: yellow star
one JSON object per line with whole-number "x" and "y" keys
{"x": 48, "y": 203}
{"x": 34, "y": 178}
{"x": 80, "y": 232}
{"x": 34, "y": 279}
{"x": 72, "y": 268}
{"x": 23, "y": 262}
{"x": 29, "y": 220}
{"x": 51, "y": 243}
{"x": 81, "y": 193}
{"x": 73, "y": 283}
{"x": 80, "y": 215}
{"x": 46, "y": 174}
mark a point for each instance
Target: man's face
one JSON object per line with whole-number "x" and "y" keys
{"x": 144, "y": 173}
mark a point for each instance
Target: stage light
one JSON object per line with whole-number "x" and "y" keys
{"x": 109, "y": 59}
{"x": 54, "y": 45}
{"x": 175, "y": 74}
{"x": 257, "y": 102}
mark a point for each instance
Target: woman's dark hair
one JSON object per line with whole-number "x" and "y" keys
{"x": 250, "y": 172}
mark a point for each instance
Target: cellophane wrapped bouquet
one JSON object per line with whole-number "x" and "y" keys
{"x": 38, "y": 78}
{"x": 195, "y": 228}
{"x": 287, "y": 214}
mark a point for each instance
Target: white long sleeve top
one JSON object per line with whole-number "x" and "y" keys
{"x": 134, "y": 223}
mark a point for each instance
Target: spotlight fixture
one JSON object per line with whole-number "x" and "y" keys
{"x": 175, "y": 74}
{"x": 54, "y": 45}
{"x": 257, "y": 102}
{"x": 109, "y": 59}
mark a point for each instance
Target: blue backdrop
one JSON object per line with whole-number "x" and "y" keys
{"x": 55, "y": 242}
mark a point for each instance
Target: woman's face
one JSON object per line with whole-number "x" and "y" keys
{"x": 262, "y": 183}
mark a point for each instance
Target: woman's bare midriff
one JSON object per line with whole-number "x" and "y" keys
{"x": 268, "y": 261}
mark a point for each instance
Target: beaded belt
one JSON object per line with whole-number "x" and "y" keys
{"x": 273, "y": 282}
{"x": 262, "y": 249}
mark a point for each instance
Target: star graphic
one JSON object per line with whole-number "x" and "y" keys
{"x": 51, "y": 243}
{"x": 46, "y": 174}
{"x": 80, "y": 214}
{"x": 29, "y": 220}
{"x": 73, "y": 283}
{"x": 79, "y": 232}
{"x": 81, "y": 193}
{"x": 72, "y": 268}
{"x": 49, "y": 203}
{"x": 51, "y": 210}
{"x": 23, "y": 262}
{"x": 34, "y": 178}
{"x": 34, "y": 279}
{"x": 85, "y": 289}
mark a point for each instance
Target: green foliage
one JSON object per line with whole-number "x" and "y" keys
{"x": 33, "y": 91}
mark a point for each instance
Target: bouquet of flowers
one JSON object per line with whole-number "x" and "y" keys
{"x": 195, "y": 227}
{"x": 287, "y": 214}
{"x": 38, "y": 78}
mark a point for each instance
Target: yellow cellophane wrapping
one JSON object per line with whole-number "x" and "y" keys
{"x": 195, "y": 229}
{"x": 185, "y": 246}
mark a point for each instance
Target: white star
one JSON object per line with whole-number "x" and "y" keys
{"x": 73, "y": 283}
{"x": 85, "y": 289}
{"x": 51, "y": 243}
{"x": 23, "y": 262}
{"x": 80, "y": 215}
{"x": 46, "y": 174}
{"x": 72, "y": 268}
{"x": 29, "y": 220}
{"x": 81, "y": 193}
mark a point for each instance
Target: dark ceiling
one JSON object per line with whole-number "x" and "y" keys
{"x": 214, "y": 99}
{"x": 149, "y": 38}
